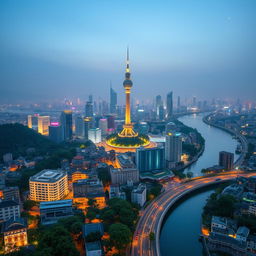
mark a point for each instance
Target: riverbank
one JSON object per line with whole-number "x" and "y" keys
{"x": 239, "y": 136}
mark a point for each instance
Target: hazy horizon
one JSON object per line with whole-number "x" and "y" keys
{"x": 52, "y": 50}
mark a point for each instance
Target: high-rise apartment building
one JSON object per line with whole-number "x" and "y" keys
{"x": 113, "y": 101}
{"x": 169, "y": 106}
{"x": 56, "y": 132}
{"x": 43, "y": 125}
{"x": 33, "y": 121}
{"x": 48, "y": 185}
{"x": 66, "y": 123}
{"x": 226, "y": 159}
{"x": 173, "y": 149}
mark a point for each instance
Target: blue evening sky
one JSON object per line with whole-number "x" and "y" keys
{"x": 69, "y": 48}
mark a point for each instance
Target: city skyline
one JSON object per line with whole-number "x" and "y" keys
{"x": 187, "y": 48}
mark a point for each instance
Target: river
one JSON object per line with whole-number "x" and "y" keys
{"x": 180, "y": 231}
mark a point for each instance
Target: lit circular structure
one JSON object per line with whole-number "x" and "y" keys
{"x": 115, "y": 140}
{"x": 127, "y": 138}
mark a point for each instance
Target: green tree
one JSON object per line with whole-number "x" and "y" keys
{"x": 151, "y": 236}
{"x": 120, "y": 235}
{"x": 57, "y": 241}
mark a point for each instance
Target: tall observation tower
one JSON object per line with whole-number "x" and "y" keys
{"x": 127, "y": 138}
{"x": 128, "y": 126}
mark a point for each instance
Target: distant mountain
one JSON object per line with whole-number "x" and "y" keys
{"x": 17, "y": 138}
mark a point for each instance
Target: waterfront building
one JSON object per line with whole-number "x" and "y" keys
{"x": 56, "y": 132}
{"x": 43, "y": 125}
{"x": 226, "y": 159}
{"x": 48, "y": 185}
{"x": 139, "y": 195}
{"x": 15, "y": 234}
{"x": 113, "y": 101}
{"x": 122, "y": 176}
{"x": 150, "y": 159}
{"x": 173, "y": 149}
{"x": 169, "y": 106}
{"x": 52, "y": 211}
{"x": 9, "y": 209}
{"x": 127, "y": 138}
{"x": 94, "y": 135}
{"x": 66, "y": 123}
{"x": 33, "y": 121}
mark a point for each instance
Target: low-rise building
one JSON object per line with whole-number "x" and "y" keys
{"x": 90, "y": 228}
{"x": 15, "y": 234}
{"x": 93, "y": 249}
{"x": 139, "y": 195}
{"x": 51, "y": 212}
{"x": 9, "y": 209}
{"x": 122, "y": 176}
{"x": 242, "y": 234}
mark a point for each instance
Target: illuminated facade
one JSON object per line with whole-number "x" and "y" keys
{"x": 43, "y": 125}
{"x": 127, "y": 138}
{"x": 48, "y": 185}
{"x": 15, "y": 234}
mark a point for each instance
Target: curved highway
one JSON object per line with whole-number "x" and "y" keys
{"x": 152, "y": 217}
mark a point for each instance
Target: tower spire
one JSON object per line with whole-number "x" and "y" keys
{"x": 127, "y": 61}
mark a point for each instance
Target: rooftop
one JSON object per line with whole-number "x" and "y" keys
{"x": 92, "y": 228}
{"x": 93, "y": 246}
{"x": 54, "y": 204}
{"x": 8, "y": 203}
{"x": 48, "y": 176}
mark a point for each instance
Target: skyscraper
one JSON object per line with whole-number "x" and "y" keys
{"x": 56, "y": 132}
{"x": 173, "y": 149}
{"x": 66, "y": 123}
{"x": 178, "y": 104}
{"x": 33, "y": 121}
{"x": 89, "y": 109}
{"x": 169, "y": 106}
{"x": 113, "y": 101}
{"x": 226, "y": 159}
{"x": 79, "y": 126}
{"x": 158, "y": 104}
{"x": 43, "y": 124}
{"x": 87, "y": 126}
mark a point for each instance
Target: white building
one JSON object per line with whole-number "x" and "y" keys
{"x": 94, "y": 135}
{"x": 139, "y": 195}
{"x": 173, "y": 149}
{"x": 103, "y": 125}
{"x": 122, "y": 176}
{"x": 9, "y": 209}
{"x": 48, "y": 185}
